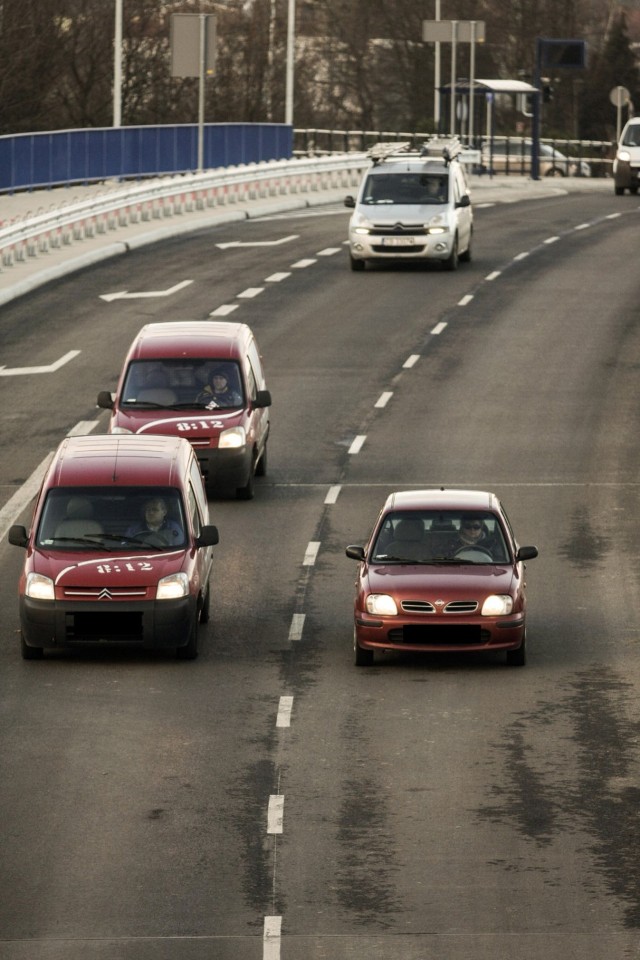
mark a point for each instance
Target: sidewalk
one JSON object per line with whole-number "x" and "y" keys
{"x": 35, "y": 271}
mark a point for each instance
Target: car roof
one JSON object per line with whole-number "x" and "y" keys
{"x": 189, "y": 338}
{"x": 442, "y": 499}
{"x": 410, "y": 165}
{"x": 119, "y": 460}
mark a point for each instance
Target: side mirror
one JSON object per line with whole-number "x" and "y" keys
{"x": 355, "y": 552}
{"x": 263, "y": 398}
{"x": 18, "y": 536}
{"x": 464, "y": 201}
{"x": 105, "y": 400}
{"x": 527, "y": 553}
{"x": 349, "y": 201}
{"x": 209, "y": 537}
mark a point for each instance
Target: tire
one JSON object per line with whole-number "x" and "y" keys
{"x": 30, "y": 653}
{"x": 518, "y": 658}
{"x": 633, "y": 190}
{"x": 261, "y": 466}
{"x": 356, "y": 264}
{"x": 451, "y": 263}
{"x": 248, "y": 491}
{"x": 205, "y": 609}
{"x": 619, "y": 191}
{"x": 554, "y": 172}
{"x": 190, "y": 649}
{"x": 466, "y": 256}
{"x": 361, "y": 658}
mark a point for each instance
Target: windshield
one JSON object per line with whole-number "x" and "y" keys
{"x": 181, "y": 384}
{"x": 632, "y": 136}
{"x": 129, "y": 518}
{"x": 436, "y": 536}
{"x": 405, "y": 188}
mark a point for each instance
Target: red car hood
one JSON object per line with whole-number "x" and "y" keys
{"x": 97, "y": 568}
{"x": 192, "y": 424}
{"x": 447, "y": 581}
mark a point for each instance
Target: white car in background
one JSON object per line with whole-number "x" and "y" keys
{"x": 513, "y": 155}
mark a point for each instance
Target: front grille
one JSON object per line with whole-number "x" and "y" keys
{"x": 461, "y": 606}
{"x": 417, "y": 606}
{"x": 404, "y": 230}
{"x": 105, "y": 593}
{"x": 199, "y": 443}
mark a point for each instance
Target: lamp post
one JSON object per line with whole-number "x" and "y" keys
{"x": 436, "y": 84}
{"x": 288, "y": 97}
{"x": 117, "y": 66}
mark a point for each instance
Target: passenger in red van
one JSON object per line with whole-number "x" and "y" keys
{"x": 219, "y": 392}
{"x": 157, "y": 524}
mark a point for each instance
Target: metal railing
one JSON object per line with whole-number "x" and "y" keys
{"x": 155, "y": 200}
{"x": 597, "y": 155}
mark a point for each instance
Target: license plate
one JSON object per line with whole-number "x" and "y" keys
{"x": 398, "y": 241}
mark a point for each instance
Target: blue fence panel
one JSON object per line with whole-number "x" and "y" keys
{"x": 35, "y": 160}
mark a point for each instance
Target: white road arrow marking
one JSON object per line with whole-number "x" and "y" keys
{"x": 257, "y": 243}
{"x": 125, "y": 295}
{"x": 51, "y": 368}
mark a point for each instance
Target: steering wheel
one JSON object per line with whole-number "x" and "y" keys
{"x": 473, "y": 553}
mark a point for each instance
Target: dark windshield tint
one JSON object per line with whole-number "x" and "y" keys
{"x": 126, "y": 518}
{"x": 406, "y": 188}
{"x": 423, "y": 536}
{"x": 184, "y": 383}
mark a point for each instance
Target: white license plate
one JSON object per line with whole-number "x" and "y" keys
{"x": 398, "y": 241}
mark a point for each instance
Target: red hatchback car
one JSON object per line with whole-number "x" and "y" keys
{"x": 441, "y": 572}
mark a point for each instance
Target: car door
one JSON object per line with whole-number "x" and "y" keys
{"x": 463, "y": 215}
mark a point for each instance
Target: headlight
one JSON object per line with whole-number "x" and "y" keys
{"x": 434, "y": 230}
{"x": 624, "y": 155}
{"x": 115, "y": 430}
{"x": 173, "y": 587}
{"x": 497, "y": 605}
{"x": 232, "y": 438}
{"x": 39, "y": 587}
{"x": 381, "y": 605}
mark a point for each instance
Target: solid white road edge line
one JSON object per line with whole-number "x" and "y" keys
{"x": 23, "y": 495}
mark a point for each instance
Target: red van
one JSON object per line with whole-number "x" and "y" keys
{"x": 202, "y": 380}
{"x": 119, "y": 550}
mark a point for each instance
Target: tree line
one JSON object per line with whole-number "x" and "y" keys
{"x": 359, "y": 64}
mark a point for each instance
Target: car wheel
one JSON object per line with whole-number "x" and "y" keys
{"x": 466, "y": 256}
{"x": 247, "y": 492}
{"x": 356, "y": 264}
{"x": 451, "y": 263}
{"x": 190, "y": 649}
{"x": 30, "y": 653}
{"x": 361, "y": 658}
{"x": 619, "y": 191}
{"x": 518, "y": 658}
{"x": 205, "y": 609}
{"x": 261, "y": 466}
{"x": 554, "y": 172}
{"x": 633, "y": 190}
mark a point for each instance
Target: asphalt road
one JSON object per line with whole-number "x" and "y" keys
{"x": 270, "y": 800}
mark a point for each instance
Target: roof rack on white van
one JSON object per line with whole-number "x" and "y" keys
{"x": 447, "y": 148}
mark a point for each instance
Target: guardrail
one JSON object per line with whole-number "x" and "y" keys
{"x": 117, "y": 207}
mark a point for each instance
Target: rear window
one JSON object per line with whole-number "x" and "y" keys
{"x": 126, "y": 518}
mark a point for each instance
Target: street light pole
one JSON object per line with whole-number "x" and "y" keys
{"x": 117, "y": 66}
{"x": 288, "y": 99}
{"x": 436, "y": 86}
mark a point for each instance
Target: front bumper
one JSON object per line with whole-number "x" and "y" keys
{"x": 442, "y": 634}
{"x": 150, "y": 624}
{"x": 225, "y": 468}
{"x": 414, "y": 247}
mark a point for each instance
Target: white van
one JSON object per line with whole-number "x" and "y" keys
{"x": 412, "y": 206}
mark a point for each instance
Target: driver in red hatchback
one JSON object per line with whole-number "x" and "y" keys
{"x": 473, "y": 532}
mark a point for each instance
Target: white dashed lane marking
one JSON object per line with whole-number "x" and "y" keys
{"x": 411, "y": 361}
{"x": 311, "y": 553}
{"x": 224, "y": 310}
{"x": 383, "y": 399}
{"x": 285, "y": 706}
{"x": 357, "y": 444}
{"x": 250, "y": 293}
{"x": 275, "y": 814}
{"x": 297, "y": 625}
{"x": 333, "y": 494}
